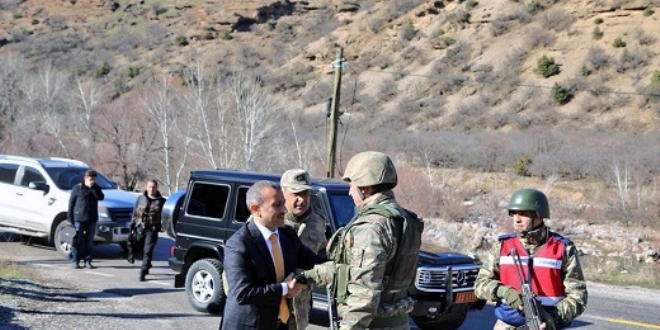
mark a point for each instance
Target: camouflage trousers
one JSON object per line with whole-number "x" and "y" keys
{"x": 302, "y": 304}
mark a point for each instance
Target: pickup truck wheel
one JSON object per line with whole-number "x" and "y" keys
{"x": 62, "y": 247}
{"x": 450, "y": 321}
{"x": 204, "y": 286}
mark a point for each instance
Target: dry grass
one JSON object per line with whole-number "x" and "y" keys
{"x": 621, "y": 271}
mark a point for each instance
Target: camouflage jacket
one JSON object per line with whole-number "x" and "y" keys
{"x": 575, "y": 285}
{"x": 310, "y": 228}
{"x": 368, "y": 247}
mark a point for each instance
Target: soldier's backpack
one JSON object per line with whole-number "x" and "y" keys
{"x": 407, "y": 227}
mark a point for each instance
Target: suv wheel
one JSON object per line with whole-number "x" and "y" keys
{"x": 62, "y": 247}
{"x": 450, "y": 321}
{"x": 204, "y": 286}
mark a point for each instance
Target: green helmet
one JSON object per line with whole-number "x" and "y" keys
{"x": 530, "y": 200}
{"x": 370, "y": 168}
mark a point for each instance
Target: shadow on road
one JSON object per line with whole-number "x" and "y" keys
{"x": 125, "y": 292}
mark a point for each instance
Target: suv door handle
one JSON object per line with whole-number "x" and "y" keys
{"x": 19, "y": 194}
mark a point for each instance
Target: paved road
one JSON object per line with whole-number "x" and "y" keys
{"x": 610, "y": 308}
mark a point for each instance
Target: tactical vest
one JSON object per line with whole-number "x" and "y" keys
{"x": 546, "y": 267}
{"x": 400, "y": 270}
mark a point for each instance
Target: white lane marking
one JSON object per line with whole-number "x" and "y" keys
{"x": 101, "y": 274}
{"x": 49, "y": 266}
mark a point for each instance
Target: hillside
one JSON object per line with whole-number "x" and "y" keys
{"x": 427, "y": 65}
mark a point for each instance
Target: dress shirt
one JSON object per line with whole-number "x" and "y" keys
{"x": 265, "y": 232}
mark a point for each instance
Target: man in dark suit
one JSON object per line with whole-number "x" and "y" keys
{"x": 256, "y": 259}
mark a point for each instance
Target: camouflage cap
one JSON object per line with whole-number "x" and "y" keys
{"x": 296, "y": 180}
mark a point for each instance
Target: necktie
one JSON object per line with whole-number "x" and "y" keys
{"x": 279, "y": 273}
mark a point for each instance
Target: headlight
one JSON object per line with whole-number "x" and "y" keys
{"x": 104, "y": 214}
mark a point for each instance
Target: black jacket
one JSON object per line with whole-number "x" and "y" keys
{"x": 84, "y": 203}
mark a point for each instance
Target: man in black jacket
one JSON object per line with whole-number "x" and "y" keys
{"x": 83, "y": 213}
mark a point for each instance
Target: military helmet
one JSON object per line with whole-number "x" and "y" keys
{"x": 530, "y": 200}
{"x": 370, "y": 168}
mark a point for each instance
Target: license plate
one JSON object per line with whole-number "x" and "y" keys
{"x": 465, "y": 297}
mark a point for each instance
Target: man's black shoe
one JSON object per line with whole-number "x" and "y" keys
{"x": 142, "y": 278}
{"x": 131, "y": 258}
{"x": 75, "y": 265}
{"x": 90, "y": 266}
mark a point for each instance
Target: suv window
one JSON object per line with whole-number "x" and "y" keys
{"x": 31, "y": 174}
{"x": 342, "y": 207}
{"x": 8, "y": 173}
{"x": 208, "y": 200}
{"x": 242, "y": 210}
{"x": 67, "y": 177}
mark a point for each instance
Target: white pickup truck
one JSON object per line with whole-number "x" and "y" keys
{"x": 34, "y": 198}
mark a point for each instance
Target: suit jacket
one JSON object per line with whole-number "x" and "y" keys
{"x": 254, "y": 293}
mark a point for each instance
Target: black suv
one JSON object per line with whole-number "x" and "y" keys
{"x": 213, "y": 207}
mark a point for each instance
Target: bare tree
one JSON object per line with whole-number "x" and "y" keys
{"x": 11, "y": 73}
{"x": 44, "y": 96}
{"x": 253, "y": 112}
{"x": 159, "y": 100}
{"x": 206, "y": 118}
{"x": 128, "y": 142}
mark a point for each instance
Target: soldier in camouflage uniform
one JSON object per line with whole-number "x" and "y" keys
{"x": 557, "y": 281}
{"x": 374, "y": 257}
{"x": 310, "y": 228}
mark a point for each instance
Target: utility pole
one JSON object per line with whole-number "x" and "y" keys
{"x": 334, "y": 113}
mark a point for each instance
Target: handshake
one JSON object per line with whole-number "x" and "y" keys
{"x": 296, "y": 283}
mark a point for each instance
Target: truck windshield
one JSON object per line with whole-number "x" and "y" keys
{"x": 343, "y": 208}
{"x": 67, "y": 177}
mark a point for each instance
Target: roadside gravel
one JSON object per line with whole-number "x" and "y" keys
{"x": 30, "y": 300}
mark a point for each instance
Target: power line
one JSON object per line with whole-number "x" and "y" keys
{"x": 475, "y": 84}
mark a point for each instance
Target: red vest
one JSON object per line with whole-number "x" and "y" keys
{"x": 547, "y": 282}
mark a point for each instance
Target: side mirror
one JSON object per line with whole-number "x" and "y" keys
{"x": 38, "y": 185}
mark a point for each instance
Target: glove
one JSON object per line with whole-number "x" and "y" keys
{"x": 548, "y": 318}
{"x": 510, "y": 296}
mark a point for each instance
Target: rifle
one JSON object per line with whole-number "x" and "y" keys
{"x": 530, "y": 306}
{"x": 332, "y": 312}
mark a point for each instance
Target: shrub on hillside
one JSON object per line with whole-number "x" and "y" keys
{"x": 458, "y": 55}
{"x": 597, "y": 34}
{"x": 654, "y": 87}
{"x": 597, "y": 57}
{"x": 648, "y": 11}
{"x": 534, "y": 7}
{"x": 521, "y": 166}
{"x": 102, "y": 70}
{"x": 585, "y": 71}
{"x": 598, "y": 21}
{"x": 619, "y": 43}
{"x": 408, "y": 31}
{"x": 536, "y": 35}
{"x": 631, "y": 60}
{"x": 498, "y": 26}
{"x": 560, "y": 94}
{"x": 181, "y": 41}
{"x": 642, "y": 37}
{"x": 557, "y": 19}
{"x": 547, "y": 67}
{"x": 133, "y": 71}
